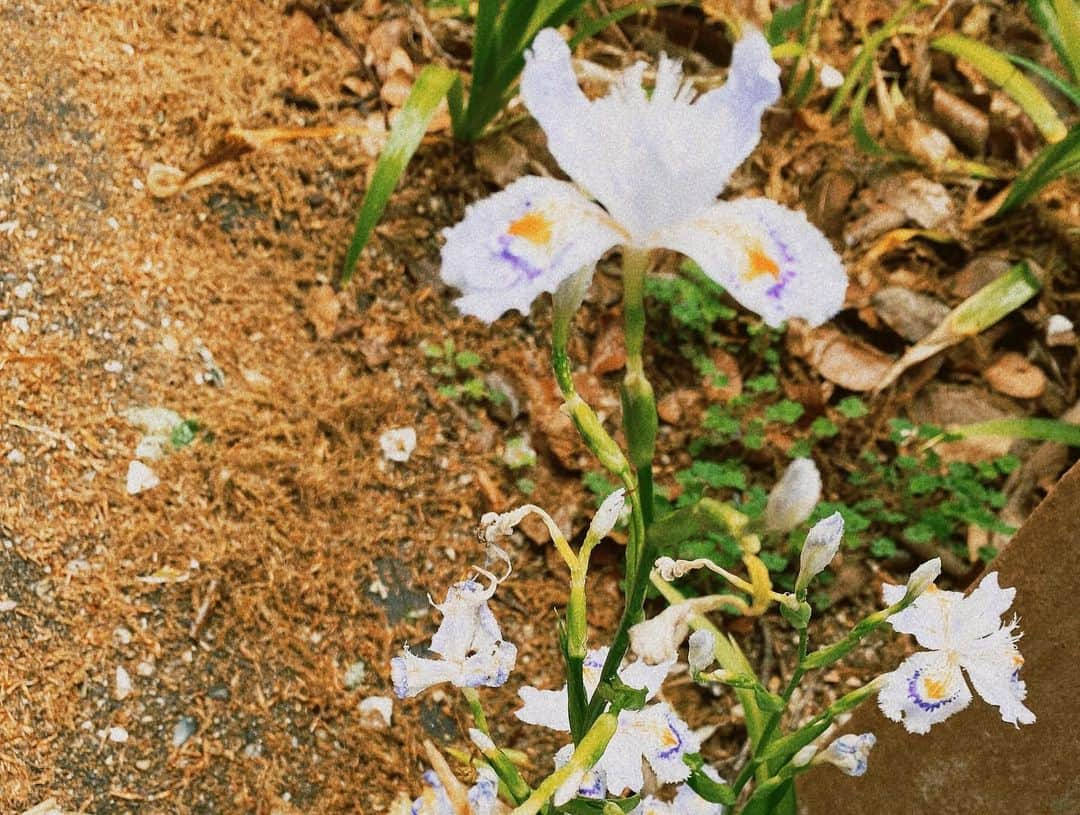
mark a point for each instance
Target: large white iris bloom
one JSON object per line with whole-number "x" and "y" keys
{"x": 961, "y": 632}
{"x": 647, "y": 168}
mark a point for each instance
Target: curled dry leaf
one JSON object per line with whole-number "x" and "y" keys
{"x": 1013, "y": 375}
{"x": 843, "y": 360}
{"x": 923, "y": 201}
{"x": 164, "y": 181}
{"x": 943, "y": 405}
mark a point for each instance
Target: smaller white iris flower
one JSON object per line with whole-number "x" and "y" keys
{"x": 469, "y": 645}
{"x": 647, "y": 169}
{"x": 961, "y": 632}
{"x": 654, "y": 734}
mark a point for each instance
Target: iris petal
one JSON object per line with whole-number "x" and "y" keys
{"x": 768, "y": 257}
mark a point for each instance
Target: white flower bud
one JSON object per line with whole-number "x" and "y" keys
{"x": 822, "y": 544}
{"x": 794, "y": 496}
{"x": 481, "y": 739}
{"x": 702, "y": 650}
{"x": 804, "y": 756}
{"x": 658, "y": 640}
{"x": 922, "y": 578}
{"x": 607, "y": 515}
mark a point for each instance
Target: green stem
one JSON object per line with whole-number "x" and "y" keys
{"x": 473, "y": 698}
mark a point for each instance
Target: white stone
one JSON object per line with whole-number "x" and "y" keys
{"x": 140, "y": 478}
{"x": 376, "y": 712}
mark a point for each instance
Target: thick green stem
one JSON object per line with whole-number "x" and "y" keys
{"x": 473, "y": 698}
{"x": 639, "y": 403}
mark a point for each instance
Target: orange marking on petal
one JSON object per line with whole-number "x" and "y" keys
{"x": 533, "y": 227}
{"x": 761, "y": 264}
{"x": 935, "y": 688}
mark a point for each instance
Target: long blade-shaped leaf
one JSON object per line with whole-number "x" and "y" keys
{"x": 1055, "y": 161}
{"x": 997, "y": 68}
{"x": 409, "y": 127}
{"x": 1071, "y": 92}
{"x": 1025, "y": 427}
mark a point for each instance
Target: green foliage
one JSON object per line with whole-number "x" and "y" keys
{"x": 459, "y": 373}
{"x": 693, "y": 300}
{"x": 184, "y": 433}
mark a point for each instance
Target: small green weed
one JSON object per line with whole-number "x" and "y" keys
{"x": 459, "y": 372}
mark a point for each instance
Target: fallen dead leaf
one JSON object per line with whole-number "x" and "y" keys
{"x": 609, "y": 350}
{"x": 501, "y": 159}
{"x": 943, "y": 405}
{"x": 1013, "y": 375}
{"x": 843, "y": 360}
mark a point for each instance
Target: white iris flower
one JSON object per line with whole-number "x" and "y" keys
{"x": 961, "y": 632}
{"x": 647, "y": 168}
{"x": 469, "y": 643}
{"x": 654, "y": 734}
{"x": 685, "y": 802}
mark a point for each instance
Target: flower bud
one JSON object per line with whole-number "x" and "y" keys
{"x": 822, "y": 543}
{"x": 702, "y": 650}
{"x": 607, "y": 515}
{"x": 481, "y": 739}
{"x": 794, "y": 496}
{"x": 922, "y": 578}
{"x": 804, "y": 756}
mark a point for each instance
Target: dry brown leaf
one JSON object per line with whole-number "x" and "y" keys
{"x": 843, "y": 360}
{"x": 923, "y": 201}
{"x": 609, "y": 350}
{"x": 942, "y": 405}
{"x": 1013, "y": 375}
{"x": 681, "y": 406}
{"x": 501, "y": 159}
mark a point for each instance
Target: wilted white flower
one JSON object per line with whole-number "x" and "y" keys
{"x": 655, "y": 163}
{"x": 849, "y": 752}
{"x": 469, "y": 643}
{"x": 822, "y": 544}
{"x": 654, "y": 734}
{"x": 658, "y": 639}
{"x": 398, "y": 443}
{"x": 592, "y": 784}
{"x": 794, "y": 496}
{"x": 481, "y": 799}
{"x": 961, "y": 632}
{"x": 701, "y": 651}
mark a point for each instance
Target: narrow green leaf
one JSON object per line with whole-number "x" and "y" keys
{"x": 409, "y": 127}
{"x": 856, "y": 116}
{"x": 784, "y": 21}
{"x": 997, "y": 68}
{"x": 594, "y": 27}
{"x": 861, "y": 67}
{"x": 1044, "y": 15}
{"x": 1068, "y": 17}
{"x": 1054, "y": 161}
{"x": 1025, "y": 427}
{"x": 1066, "y": 89}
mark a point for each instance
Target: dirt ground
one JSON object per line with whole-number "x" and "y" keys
{"x": 280, "y": 548}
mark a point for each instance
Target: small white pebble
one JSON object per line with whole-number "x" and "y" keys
{"x": 114, "y": 366}
{"x": 16, "y": 457}
{"x": 123, "y": 684}
{"x": 23, "y": 290}
{"x": 145, "y": 669}
{"x": 140, "y": 478}
{"x": 20, "y": 324}
{"x": 142, "y": 764}
{"x": 121, "y": 635}
{"x": 7, "y": 605}
{"x": 376, "y": 712}
{"x": 118, "y": 735}
{"x": 1059, "y": 331}
{"x": 378, "y": 588}
{"x": 398, "y": 443}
